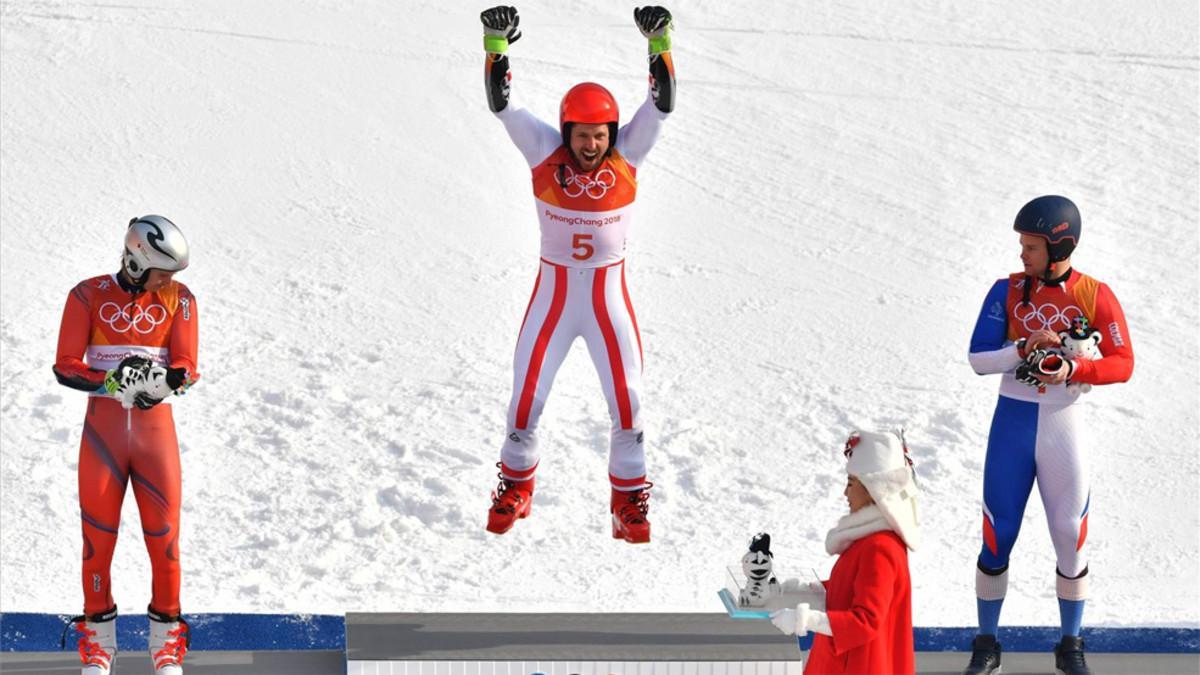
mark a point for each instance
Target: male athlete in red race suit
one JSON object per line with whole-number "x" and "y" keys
{"x": 129, "y": 339}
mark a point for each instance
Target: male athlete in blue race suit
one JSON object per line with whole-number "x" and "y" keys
{"x": 1035, "y": 433}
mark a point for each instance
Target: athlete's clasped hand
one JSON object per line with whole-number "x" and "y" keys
{"x": 160, "y": 383}
{"x": 500, "y": 27}
{"x": 1043, "y": 368}
{"x": 137, "y": 381}
{"x": 1042, "y": 339}
{"x": 654, "y": 21}
{"x": 129, "y": 373}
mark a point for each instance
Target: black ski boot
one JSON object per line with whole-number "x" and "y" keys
{"x": 985, "y": 656}
{"x": 1068, "y": 657}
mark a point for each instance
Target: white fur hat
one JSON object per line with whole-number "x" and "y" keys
{"x": 880, "y": 461}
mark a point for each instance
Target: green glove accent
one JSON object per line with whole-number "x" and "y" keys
{"x": 111, "y": 385}
{"x": 659, "y": 45}
{"x": 495, "y": 44}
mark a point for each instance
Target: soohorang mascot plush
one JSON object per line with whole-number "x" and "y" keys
{"x": 761, "y": 584}
{"x": 1081, "y": 342}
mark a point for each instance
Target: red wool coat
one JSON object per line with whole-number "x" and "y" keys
{"x": 869, "y": 601}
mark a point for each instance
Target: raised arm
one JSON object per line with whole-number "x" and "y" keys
{"x": 637, "y": 137}
{"x": 533, "y": 137}
{"x": 499, "y": 31}
{"x": 655, "y": 24}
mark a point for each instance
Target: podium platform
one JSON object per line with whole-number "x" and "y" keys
{"x": 550, "y": 644}
{"x": 562, "y": 644}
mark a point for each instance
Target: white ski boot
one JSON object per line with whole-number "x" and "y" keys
{"x": 97, "y": 641}
{"x": 169, "y": 639}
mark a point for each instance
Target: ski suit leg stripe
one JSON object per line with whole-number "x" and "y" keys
{"x": 97, "y": 444}
{"x": 613, "y": 345}
{"x": 96, "y": 524}
{"x": 532, "y": 296}
{"x": 103, "y": 479}
{"x": 1063, "y": 484}
{"x": 600, "y": 305}
{"x": 1009, "y": 472}
{"x": 989, "y": 532}
{"x": 157, "y": 487}
{"x": 154, "y": 492}
{"x": 633, "y": 318}
{"x": 539, "y": 349}
{"x": 1083, "y": 525}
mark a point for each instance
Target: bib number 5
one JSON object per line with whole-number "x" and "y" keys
{"x": 583, "y": 249}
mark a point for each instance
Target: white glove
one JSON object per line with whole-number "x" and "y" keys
{"x": 801, "y": 620}
{"x": 806, "y": 587}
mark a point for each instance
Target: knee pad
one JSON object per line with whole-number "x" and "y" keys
{"x": 991, "y": 584}
{"x": 1071, "y": 588}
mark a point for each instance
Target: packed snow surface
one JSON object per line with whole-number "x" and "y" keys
{"x": 816, "y": 231}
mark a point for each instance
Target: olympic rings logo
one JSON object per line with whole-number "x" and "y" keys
{"x": 1046, "y": 317}
{"x": 577, "y": 185}
{"x": 141, "y": 319}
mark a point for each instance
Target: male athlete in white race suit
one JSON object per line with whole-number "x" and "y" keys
{"x": 584, "y": 183}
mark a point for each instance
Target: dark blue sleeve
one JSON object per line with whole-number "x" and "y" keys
{"x": 991, "y": 328}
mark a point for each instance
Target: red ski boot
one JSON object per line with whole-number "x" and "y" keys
{"x": 629, "y": 511}
{"x": 511, "y": 501}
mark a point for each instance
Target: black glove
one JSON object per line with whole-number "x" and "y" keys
{"x": 653, "y": 21}
{"x": 1025, "y": 373}
{"x": 176, "y": 378}
{"x": 500, "y": 28}
{"x": 1035, "y": 365}
{"x": 146, "y": 401}
{"x": 655, "y": 24}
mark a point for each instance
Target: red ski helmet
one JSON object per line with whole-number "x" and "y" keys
{"x": 588, "y": 103}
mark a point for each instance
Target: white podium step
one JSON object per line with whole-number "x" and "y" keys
{"x": 566, "y": 644}
{"x": 574, "y": 668}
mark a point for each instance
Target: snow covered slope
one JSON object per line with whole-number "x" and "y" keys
{"x": 816, "y": 231}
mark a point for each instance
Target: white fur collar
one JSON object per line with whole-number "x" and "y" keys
{"x": 854, "y": 526}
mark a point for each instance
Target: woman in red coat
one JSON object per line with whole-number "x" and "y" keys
{"x": 866, "y": 627}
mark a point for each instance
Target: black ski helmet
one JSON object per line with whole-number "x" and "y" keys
{"x": 1055, "y": 219}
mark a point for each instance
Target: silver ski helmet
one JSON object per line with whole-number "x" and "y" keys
{"x": 153, "y": 242}
{"x": 1055, "y": 219}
